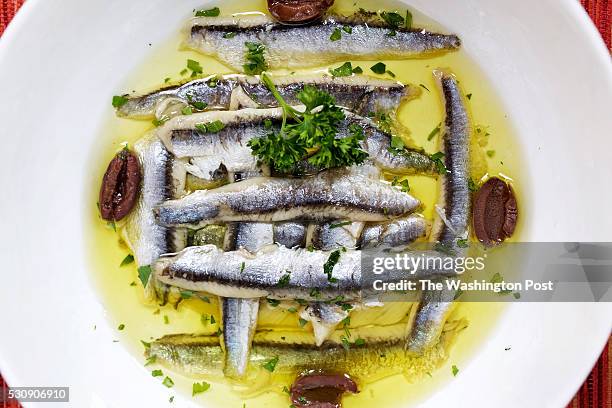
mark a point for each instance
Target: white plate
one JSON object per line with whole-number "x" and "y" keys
{"x": 60, "y": 61}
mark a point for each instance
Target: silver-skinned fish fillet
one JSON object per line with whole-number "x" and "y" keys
{"x": 163, "y": 178}
{"x": 360, "y": 94}
{"x": 310, "y": 45}
{"x": 278, "y": 273}
{"x": 333, "y": 194}
{"x": 453, "y": 221}
{"x": 207, "y": 151}
{"x": 238, "y": 315}
{"x": 393, "y": 234}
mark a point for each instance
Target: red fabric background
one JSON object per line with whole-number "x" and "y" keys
{"x": 597, "y": 389}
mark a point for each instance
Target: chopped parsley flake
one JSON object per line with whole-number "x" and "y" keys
{"x": 213, "y": 12}
{"x": 347, "y": 29}
{"x": 393, "y": 19}
{"x": 490, "y": 153}
{"x": 255, "y": 61}
{"x": 424, "y": 87}
{"x": 121, "y": 326}
{"x": 340, "y": 224}
{"x": 195, "y": 67}
{"x": 469, "y": 96}
{"x": 379, "y": 68}
{"x": 229, "y": 35}
{"x": 186, "y": 294}
{"x": 359, "y": 342}
{"x": 144, "y": 272}
{"x": 437, "y": 159}
{"x": 328, "y": 267}
{"x": 343, "y": 70}
{"x": 166, "y": 319}
{"x": 455, "y": 370}
{"x": 168, "y": 382}
{"x": 434, "y": 132}
{"x": 187, "y": 110}
{"x": 302, "y": 322}
{"x": 271, "y": 364}
{"x": 357, "y": 70}
{"x": 284, "y": 280}
{"x": 199, "y": 388}
{"x": 157, "y": 373}
{"x": 273, "y": 302}
{"x": 404, "y": 185}
{"x": 151, "y": 360}
{"x": 210, "y": 127}
{"x": 336, "y": 34}
{"x": 129, "y": 258}
{"x": 119, "y": 101}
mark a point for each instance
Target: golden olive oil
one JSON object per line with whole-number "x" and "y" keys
{"x": 495, "y": 151}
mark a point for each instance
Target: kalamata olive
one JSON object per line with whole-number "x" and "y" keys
{"x": 298, "y": 11}
{"x": 120, "y": 186}
{"x": 321, "y": 390}
{"x": 495, "y": 212}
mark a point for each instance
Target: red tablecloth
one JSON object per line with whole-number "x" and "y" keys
{"x": 597, "y": 390}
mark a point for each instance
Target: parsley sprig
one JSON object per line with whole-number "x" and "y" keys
{"x": 311, "y": 134}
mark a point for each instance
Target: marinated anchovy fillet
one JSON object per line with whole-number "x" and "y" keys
{"x": 208, "y": 151}
{"x": 163, "y": 179}
{"x": 280, "y": 273}
{"x": 379, "y": 357}
{"x": 307, "y": 46}
{"x": 452, "y": 223}
{"x": 335, "y": 234}
{"x": 290, "y": 234}
{"x": 324, "y": 318}
{"x": 359, "y": 94}
{"x": 334, "y": 194}
{"x": 239, "y": 316}
{"x": 393, "y": 234}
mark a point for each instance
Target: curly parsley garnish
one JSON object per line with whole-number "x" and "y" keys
{"x": 255, "y": 61}
{"x": 311, "y": 135}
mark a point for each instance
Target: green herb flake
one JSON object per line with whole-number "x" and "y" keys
{"x": 199, "y": 105}
{"x": 133, "y": 283}
{"x": 270, "y": 365}
{"x": 284, "y": 280}
{"x": 379, "y": 68}
{"x": 516, "y": 295}
{"x": 497, "y": 278}
{"x": 166, "y": 319}
{"x": 408, "y": 20}
{"x": 357, "y": 70}
{"x": 340, "y": 224}
{"x": 204, "y": 319}
{"x": 199, "y": 388}
{"x": 157, "y": 373}
{"x": 129, "y": 258}
{"x": 160, "y": 122}
{"x": 345, "y": 343}
{"x": 437, "y": 159}
{"x": 242, "y": 265}
{"x": 462, "y": 243}
{"x": 119, "y": 101}
{"x": 490, "y": 153}
{"x": 187, "y": 110}
{"x": 359, "y": 342}
{"x": 397, "y": 143}
{"x": 168, "y": 382}
{"x": 292, "y": 310}
{"x": 194, "y": 66}
{"x": 424, "y": 87}
{"x": 144, "y": 272}
{"x": 212, "y": 319}
{"x": 150, "y": 360}
{"x": 343, "y": 70}
{"x": 121, "y": 327}
{"x": 273, "y": 302}
{"x": 393, "y": 19}
{"x": 146, "y": 345}
{"x": 472, "y": 186}
{"x": 404, "y": 185}
{"x": 211, "y": 127}
{"x": 434, "y": 132}
{"x": 229, "y": 35}
{"x": 328, "y": 267}
{"x": 346, "y": 306}
{"x": 166, "y": 80}
{"x": 256, "y": 63}
{"x": 302, "y": 322}
{"x": 171, "y": 399}
{"x": 391, "y": 33}
{"x": 455, "y": 370}
{"x": 390, "y": 73}
{"x": 112, "y": 225}
{"x": 186, "y": 294}
{"x": 469, "y": 96}
{"x": 347, "y": 29}
{"x": 184, "y": 71}
{"x": 315, "y": 293}
{"x": 213, "y": 12}
{"x": 336, "y": 34}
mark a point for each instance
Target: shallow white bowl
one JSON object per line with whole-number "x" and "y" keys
{"x": 60, "y": 61}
